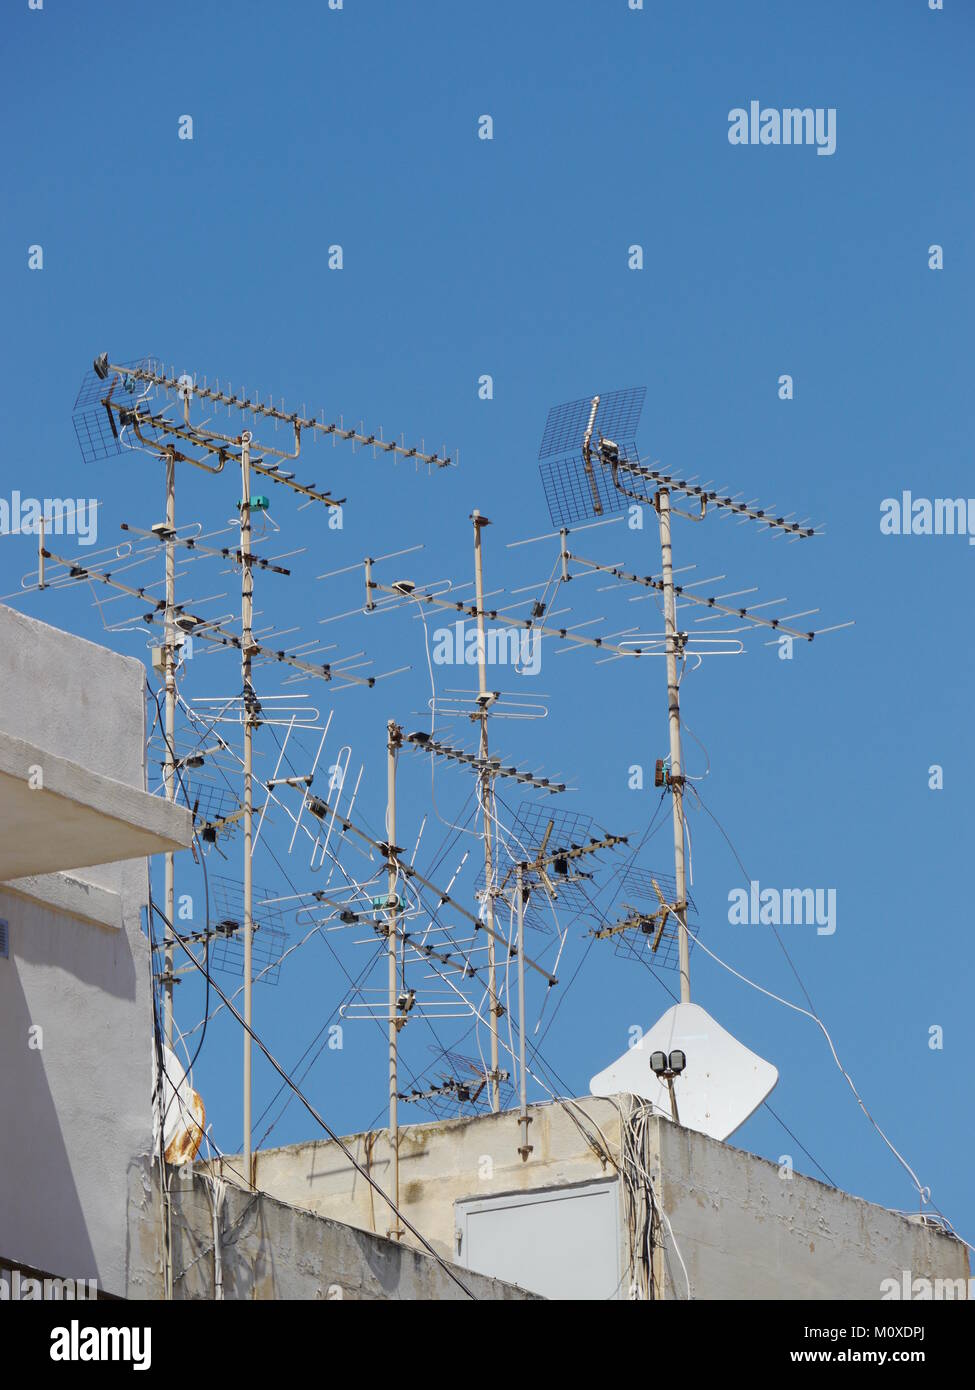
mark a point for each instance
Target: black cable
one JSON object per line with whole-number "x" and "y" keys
{"x": 799, "y": 1142}
{"x": 349, "y": 994}
{"x": 206, "y": 881}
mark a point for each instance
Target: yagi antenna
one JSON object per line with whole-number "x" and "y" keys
{"x": 424, "y": 743}
{"x": 544, "y": 852}
{"x": 643, "y": 924}
{"x": 459, "y": 1081}
{"x": 142, "y": 406}
{"x": 486, "y": 768}
{"x": 590, "y": 468}
{"x": 121, "y": 402}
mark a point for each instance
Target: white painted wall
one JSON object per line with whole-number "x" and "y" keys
{"x": 76, "y": 1112}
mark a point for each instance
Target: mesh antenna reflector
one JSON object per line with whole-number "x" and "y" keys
{"x": 568, "y": 491}
{"x": 525, "y": 839}
{"x": 636, "y": 894}
{"x": 227, "y": 930}
{"x": 97, "y": 432}
{"x": 617, "y": 418}
{"x": 529, "y": 830}
{"x": 570, "y": 488}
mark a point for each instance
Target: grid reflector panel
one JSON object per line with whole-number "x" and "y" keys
{"x": 227, "y": 945}
{"x": 568, "y": 490}
{"x": 97, "y": 434}
{"x": 637, "y": 894}
{"x": 617, "y": 418}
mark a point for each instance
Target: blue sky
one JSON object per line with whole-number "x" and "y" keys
{"x": 508, "y": 257}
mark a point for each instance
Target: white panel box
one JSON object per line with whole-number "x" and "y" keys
{"x": 564, "y": 1243}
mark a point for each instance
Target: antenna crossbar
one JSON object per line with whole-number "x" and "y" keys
{"x": 471, "y": 610}
{"x": 163, "y": 535}
{"x": 221, "y": 446}
{"x": 709, "y": 498}
{"x": 393, "y": 853}
{"x": 207, "y": 631}
{"x": 211, "y": 632}
{"x": 257, "y": 408}
{"x": 425, "y": 744}
{"x": 649, "y": 582}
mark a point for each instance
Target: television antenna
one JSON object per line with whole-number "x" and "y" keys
{"x": 549, "y": 861}
{"x": 130, "y": 405}
{"x": 646, "y": 924}
{"x": 462, "y": 1081}
{"x": 443, "y": 596}
{"x": 591, "y": 468}
{"x": 382, "y": 596}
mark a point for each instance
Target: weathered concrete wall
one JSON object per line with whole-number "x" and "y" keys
{"x": 77, "y": 1108}
{"x": 742, "y": 1230}
{"x": 440, "y": 1164}
{"x": 269, "y": 1250}
{"x": 746, "y": 1232}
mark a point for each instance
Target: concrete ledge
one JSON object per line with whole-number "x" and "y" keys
{"x": 83, "y": 901}
{"x": 72, "y": 817}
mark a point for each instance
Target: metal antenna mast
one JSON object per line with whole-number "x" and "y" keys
{"x": 394, "y": 739}
{"x": 673, "y": 718}
{"x": 487, "y": 791}
{"x": 637, "y": 475}
{"x": 523, "y": 1117}
{"x": 113, "y": 411}
{"x": 169, "y": 650}
{"x": 587, "y": 474}
{"x": 550, "y": 870}
{"x": 250, "y": 707}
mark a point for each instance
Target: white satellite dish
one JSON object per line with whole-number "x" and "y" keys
{"x": 722, "y": 1082}
{"x": 184, "y": 1116}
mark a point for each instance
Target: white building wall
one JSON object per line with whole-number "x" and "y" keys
{"x": 746, "y": 1230}
{"x": 75, "y": 1111}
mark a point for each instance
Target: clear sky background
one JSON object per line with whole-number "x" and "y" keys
{"x": 508, "y": 257}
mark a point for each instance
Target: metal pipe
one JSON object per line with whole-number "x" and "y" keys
{"x": 564, "y": 555}
{"x": 169, "y": 657}
{"x": 444, "y": 898}
{"x": 673, "y": 715}
{"x": 394, "y": 736}
{"x": 524, "y": 1120}
{"x": 246, "y": 650}
{"x": 486, "y": 798}
{"x": 587, "y": 457}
